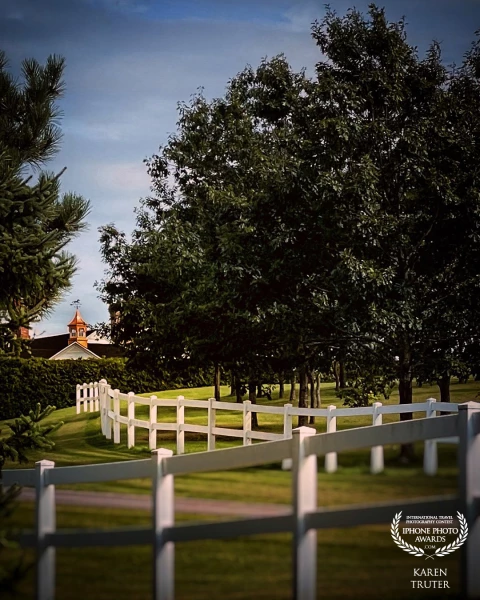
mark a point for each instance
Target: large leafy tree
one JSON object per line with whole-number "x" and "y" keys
{"x": 407, "y": 131}
{"x": 36, "y": 222}
{"x": 228, "y": 249}
{"x": 311, "y": 220}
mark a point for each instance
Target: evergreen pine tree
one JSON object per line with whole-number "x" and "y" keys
{"x": 36, "y": 223}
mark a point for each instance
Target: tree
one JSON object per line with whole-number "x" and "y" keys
{"x": 221, "y": 248}
{"x": 401, "y": 127}
{"x": 26, "y": 433}
{"x": 315, "y": 220}
{"x": 36, "y": 223}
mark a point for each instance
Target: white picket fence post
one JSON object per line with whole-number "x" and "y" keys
{"x": 331, "y": 457}
{"x": 287, "y": 421}
{"x": 116, "y": 422}
{"x": 152, "y": 434}
{"x": 90, "y": 397}
{"x": 376, "y": 453}
{"x": 131, "y": 417}
{"x": 247, "y": 422}
{"x": 108, "y": 406}
{"x": 287, "y": 433}
{"x": 304, "y": 481}
{"x": 211, "y": 425}
{"x": 430, "y": 460}
{"x": 96, "y": 396}
{"x": 163, "y": 516}
{"x": 469, "y": 493}
{"x": 102, "y": 405}
{"x": 180, "y": 424}
{"x": 45, "y": 522}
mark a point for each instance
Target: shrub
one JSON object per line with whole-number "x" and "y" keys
{"x": 26, "y": 381}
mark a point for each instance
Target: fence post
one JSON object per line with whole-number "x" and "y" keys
{"x": 304, "y": 479}
{"x": 152, "y": 435}
{"x": 430, "y": 460}
{"x": 85, "y": 397}
{"x": 211, "y": 425}
{"x": 116, "y": 422}
{"x": 108, "y": 419}
{"x": 287, "y": 434}
{"x": 77, "y": 398}
{"x": 469, "y": 487}
{"x": 180, "y": 424}
{"x": 90, "y": 397}
{"x": 331, "y": 457}
{"x": 247, "y": 422}
{"x": 131, "y": 416}
{"x": 163, "y": 517}
{"x": 96, "y": 396}
{"x": 45, "y": 523}
{"x": 287, "y": 421}
{"x": 376, "y": 453}
{"x": 102, "y": 405}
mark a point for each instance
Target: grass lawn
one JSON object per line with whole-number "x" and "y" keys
{"x": 360, "y": 562}
{"x": 80, "y": 441}
{"x": 356, "y": 563}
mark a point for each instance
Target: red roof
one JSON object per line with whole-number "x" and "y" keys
{"x": 77, "y": 319}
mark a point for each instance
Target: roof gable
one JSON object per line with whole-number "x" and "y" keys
{"x": 74, "y": 350}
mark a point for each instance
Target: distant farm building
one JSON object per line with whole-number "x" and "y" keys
{"x": 79, "y": 342}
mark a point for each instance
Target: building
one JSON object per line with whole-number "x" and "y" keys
{"x": 79, "y": 343}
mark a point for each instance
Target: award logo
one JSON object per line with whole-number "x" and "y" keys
{"x": 432, "y": 536}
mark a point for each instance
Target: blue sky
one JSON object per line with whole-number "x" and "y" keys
{"x": 130, "y": 61}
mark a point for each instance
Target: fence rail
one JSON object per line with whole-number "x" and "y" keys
{"x": 100, "y": 397}
{"x": 302, "y": 448}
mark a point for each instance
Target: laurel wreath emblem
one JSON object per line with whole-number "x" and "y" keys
{"x": 416, "y": 551}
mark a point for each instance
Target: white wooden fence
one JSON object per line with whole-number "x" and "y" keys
{"x": 303, "y": 448}
{"x": 99, "y": 396}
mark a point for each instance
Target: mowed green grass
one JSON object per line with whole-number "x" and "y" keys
{"x": 79, "y": 441}
{"x": 355, "y": 563}
{"x": 358, "y": 562}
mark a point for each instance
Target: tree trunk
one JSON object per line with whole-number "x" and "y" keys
{"x": 232, "y": 383}
{"x": 318, "y": 399}
{"x": 281, "y": 385}
{"x": 311, "y": 382}
{"x": 405, "y": 388}
{"x": 343, "y": 376}
{"x": 252, "y": 396}
{"x": 336, "y": 375}
{"x": 216, "y": 382}
{"x": 292, "y": 389}
{"x": 444, "y": 385}
{"x": 238, "y": 388}
{"x": 302, "y": 395}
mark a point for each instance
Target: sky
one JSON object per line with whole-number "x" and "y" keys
{"x": 128, "y": 64}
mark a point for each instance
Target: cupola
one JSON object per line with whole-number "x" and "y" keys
{"x": 77, "y": 329}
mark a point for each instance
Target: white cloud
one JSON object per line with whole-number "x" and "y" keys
{"x": 301, "y": 16}
{"x": 128, "y": 177}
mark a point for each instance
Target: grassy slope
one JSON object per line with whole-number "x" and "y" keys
{"x": 354, "y": 563}
{"x": 358, "y": 563}
{"x": 80, "y": 441}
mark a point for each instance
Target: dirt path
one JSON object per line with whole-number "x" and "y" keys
{"x": 144, "y": 502}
